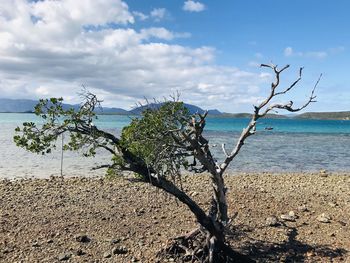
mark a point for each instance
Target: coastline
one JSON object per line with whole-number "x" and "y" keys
{"x": 42, "y": 219}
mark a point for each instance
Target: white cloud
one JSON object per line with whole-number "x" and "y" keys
{"x": 316, "y": 54}
{"x": 158, "y": 13}
{"x": 289, "y": 52}
{"x": 193, "y": 6}
{"x": 336, "y": 50}
{"x": 66, "y": 46}
{"x": 157, "y": 32}
{"x": 140, "y": 15}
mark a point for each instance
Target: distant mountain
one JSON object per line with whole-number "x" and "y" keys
{"x": 340, "y": 115}
{"x": 10, "y": 105}
{"x": 106, "y": 110}
{"x": 191, "y": 108}
{"x": 214, "y": 112}
{"x": 249, "y": 115}
{"x": 23, "y": 105}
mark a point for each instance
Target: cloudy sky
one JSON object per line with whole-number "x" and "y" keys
{"x": 209, "y": 51}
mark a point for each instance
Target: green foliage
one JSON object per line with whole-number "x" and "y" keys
{"x": 39, "y": 139}
{"x": 112, "y": 173}
{"x": 151, "y": 138}
{"x": 83, "y": 135}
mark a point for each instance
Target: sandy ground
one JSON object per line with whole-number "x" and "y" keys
{"x": 115, "y": 220}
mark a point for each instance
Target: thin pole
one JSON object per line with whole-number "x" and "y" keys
{"x": 62, "y": 155}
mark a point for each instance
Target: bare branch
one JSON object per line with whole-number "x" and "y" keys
{"x": 251, "y": 127}
{"x": 224, "y": 150}
{"x": 293, "y": 84}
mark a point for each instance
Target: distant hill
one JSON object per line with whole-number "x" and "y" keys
{"x": 341, "y": 115}
{"x": 106, "y": 110}
{"x": 249, "y": 115}
{"x": 191, "y": 108}
{"x": 23, "y": 105}
{"x": 10, "y": 105}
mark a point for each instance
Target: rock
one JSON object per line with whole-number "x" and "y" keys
{"x": 272, "y": 221}
{"x": 331, "y": 204}
{"x": 107, "y": 254}
{"x": 119, "y": 250}
{"x": 64, "y": 256}
{"x": 35, "y": 244}
{"x": 324, "y": 218}
{"x": 80, "y": 252}
{"x": 114, "y": 240}
{"x": 193, "y": 194}
{"x": 342, "y": 223}
{"x": 302, "y": 208}
{"x": 323, "y": 173}
{"x": 82, "y": 238}
{"x": 292, "y": 213}
{"x": 289, "y": 217}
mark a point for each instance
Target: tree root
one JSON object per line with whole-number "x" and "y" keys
{"x": 196, "y": 246}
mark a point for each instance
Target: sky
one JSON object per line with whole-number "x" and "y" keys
{"x": 208, "y": 51}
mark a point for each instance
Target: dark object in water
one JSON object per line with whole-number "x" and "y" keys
{"x": 268, "y": 128}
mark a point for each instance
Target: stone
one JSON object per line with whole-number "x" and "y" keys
{"x": 331, "y": 204}
{"x": 289, "y": 217}
{"x": 193, "y": 194}
{"x": 324, "y": 218}
{"x": 119, "y": 250}
{"x": 80, "y": 252}
{"x": 35, "y": 244}
{"x": 82, "y": 238}
{"x": 272, "y": 221}
{"x": 342, "y": 223}
{"x": 64, "y": 256}
{"x": 323, "y": 173}
{"x": 107, "y": 254}
{"x": 302, "y": 208}
{"x": 115, "y": 241}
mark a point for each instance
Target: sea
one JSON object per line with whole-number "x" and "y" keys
{"x": 279, "y": 145}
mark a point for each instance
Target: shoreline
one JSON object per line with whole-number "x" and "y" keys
{"x": 43, "y": 220}
{"x": 100, "y": 174}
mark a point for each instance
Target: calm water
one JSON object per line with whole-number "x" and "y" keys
{"x": 292, "y": 146}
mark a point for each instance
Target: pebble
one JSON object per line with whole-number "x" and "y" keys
{"x": 64, "y": 256}
{"x": 82, "y": 238}
{"x": 107, "y": 254}
{"x": 323, "y": 173}
{"x": 80, "y": 252}
{"x": 289, "y": 217}
{"x": 114, "y": 241}
{"x": 302, "y": 208}
{"x": 119, "y": 250}
{"x": 193, "y": 194}
{"x": 331, "y": 204}
{"x": 272, "y": 221}
{"x": 324, "y": 218}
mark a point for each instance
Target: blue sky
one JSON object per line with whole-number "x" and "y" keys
{"x": 207, "y": 50}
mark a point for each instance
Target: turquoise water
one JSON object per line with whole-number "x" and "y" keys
{"x": 291, "y": 146}
{"x": 214, "y": 124}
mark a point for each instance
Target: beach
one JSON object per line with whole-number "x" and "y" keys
{"x": 82, "y": 219}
